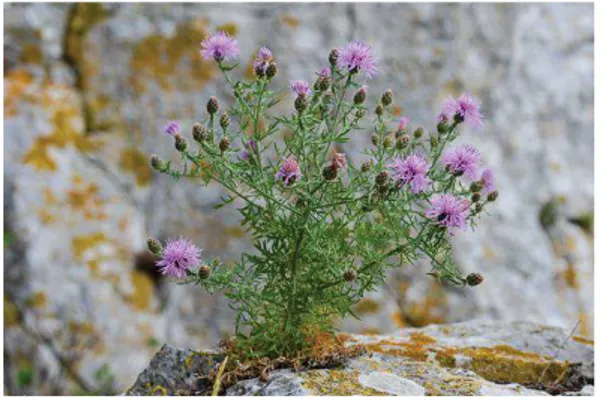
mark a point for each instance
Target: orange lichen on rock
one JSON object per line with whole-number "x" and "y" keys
{"x": 81, "y": 244}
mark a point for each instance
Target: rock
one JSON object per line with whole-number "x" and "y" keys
{"x": 87, "y": 88}
{"x": 478, "y": 358}
{"x": 175, "y": 371}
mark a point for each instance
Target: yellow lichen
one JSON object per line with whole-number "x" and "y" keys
{"x": 290, "y": 21}
{"x": 36, "y": 300}
{"x": 336, "y": 383}
{"x": 81, "y": 244}
{"x": 173, "y": 63}
{"x": 230, "y": 28}
{"x": 143, "y": 290}
{"x": 366, "y": 306}
{"x": 31, "y": 54}
{"x": 16, "y": 83}
{"x": 583, "y": 340}
{"x": 11, "y": 313}
{"x": 135, "y": 161}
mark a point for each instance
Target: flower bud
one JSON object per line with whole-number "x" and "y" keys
{"x": 360, "y": 113}
{"x": 402, "y": 142}
{"x": 330, "y": 172}
{"x": 382, "y": 178}
{"x": 492, "y": 196}
{"x": 387, "y": 142}
{"x": 474, "y": 279}
{"x": 360, "y": 96}
{"x": 433, "y": 140}
{"x": 154, "y": 246}
{"x": 260, "y": 70}
{"x": 374, "y": 139}
{"x": 322, "y": 84}
{"x": 379, "y": 110}
{"x": 418, "y": 132}
{"x": 224, "y": 144}
{"x": 180, "y": 143}
{"x": 459, "y": 118}
{"x": 204, "y": 272}
{"x": 387, "y": 98}
{"x": 476, "y": 186}
{"x": 349, "y": 276}
{"x": 443, "y": 127}
{"x": 366, "y": 166}
{"x": 224, "y": 121}
{"x": 272, "y": 70}
{"x": 332, "y": 57}
{"x": 212, "y": 106}
{"x": 475, "y": 197}
{"x": 215, "y": 262}
{"x": 156, "y": 163}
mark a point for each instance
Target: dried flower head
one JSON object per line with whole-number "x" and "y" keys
{"x": 179, "y": 256}
{"x": 220, "y": 46}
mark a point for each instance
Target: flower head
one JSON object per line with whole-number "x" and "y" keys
{"x": 301, "y": 88}
{"x": 487, "y": 179}
{"x": 262, "y": 59}
{"x": 465, "y": 107}
{"x": 357, "y": 56}
{"x": 339, "y": 161}
{"x": 464, "y": 160}
{"x": 220, "y": 46}
{"x": 178, "y": 256}
{"x": 403, "y": 123}
{"x": 324, "y": 72}
{"x": 412, "y": 170}
{"x": 449, "y": 211}
{"x": 172, "y": 128}
{"x": 289, "y": 171}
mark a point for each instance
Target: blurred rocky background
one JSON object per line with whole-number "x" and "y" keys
{"x": 88, "y": 87}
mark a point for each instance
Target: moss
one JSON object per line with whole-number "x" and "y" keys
{"x": 135, "y": 161}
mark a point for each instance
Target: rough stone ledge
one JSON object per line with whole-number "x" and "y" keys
{"x": 471, "y": 358}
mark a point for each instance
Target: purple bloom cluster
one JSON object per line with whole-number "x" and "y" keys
{"x": 463, "y": 160}
{"x": 289, "y": 171}
{"x": 324, "y": 72}
{"x": 262, "y": 59}
{"x": 449, "y": 211}
{"x": 172, "y": 128}
{"x": 412, "y": 170}
{"x": 466, "y": 107}
{"x": 220, "y": 46}
{"x": 357, "y": 57}
{"x": 403, "y": 123}
{"x": 301, "y": 88}
{"x": 178, "y": 256}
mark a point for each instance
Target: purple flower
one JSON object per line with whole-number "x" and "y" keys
{"x": 289, "y": 171}
{"x": 465, "y": 107}
{"x": 172, "y": 128}
{"x": 488, "y": 181}
{"x": 324, "y": 72}
{"x": 220, "y": 46}
{"x": 412, "y": 170}
{"x": 301, "y": 88}
{"x": 463, "y": 160}
{"x": 357, "y": 56}
{"x": 178, "y": 256}
{"x": 250, "y": 145}
{"x": 403, "y": 123}
{"x": 449, "y": 211}
{"x": 262, "y": 59}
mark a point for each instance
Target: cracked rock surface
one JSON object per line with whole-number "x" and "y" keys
{"x": 88, "y": 88}
{"x": 477, "y": 358}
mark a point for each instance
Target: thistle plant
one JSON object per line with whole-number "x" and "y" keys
{"x": 324, "y": 231}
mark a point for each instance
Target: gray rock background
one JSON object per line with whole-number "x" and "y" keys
{"x": 87, "y": 89}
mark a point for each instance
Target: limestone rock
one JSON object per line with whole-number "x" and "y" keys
{"x": 479, "y": 358}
